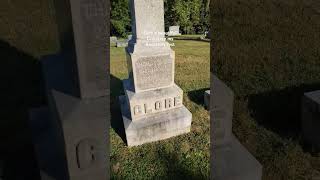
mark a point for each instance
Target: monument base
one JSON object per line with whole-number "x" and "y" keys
{"x": 234, "y": 162}
{"x": 155, "y": 127}
{"x": 69, "y": 138}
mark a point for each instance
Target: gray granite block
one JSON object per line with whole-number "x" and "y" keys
{"x": 234, "y": 162}
{"x": 310, "y": 118}
{"x": 221, "y": 112}
{"x": 121, "y": 43}
{"x": 113, "y": 39}
{"x": 174, "y": 31}
{"x": 70, "y": 138}
{"x": 150, "y": 102}
{"x": 155, "y": 127}
{"x": 207, "y": 99}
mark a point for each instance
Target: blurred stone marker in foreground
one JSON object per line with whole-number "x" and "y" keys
{"x": 70, "y": 135}
{"x": 230, "y": 160}
{"x": 152, "y": 107}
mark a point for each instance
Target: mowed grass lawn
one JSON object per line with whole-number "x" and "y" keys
{"x": 181, "y": 157}
{"x": 268, "y": 52}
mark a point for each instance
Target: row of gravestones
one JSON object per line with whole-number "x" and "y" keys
{"x": 173, "y": 31}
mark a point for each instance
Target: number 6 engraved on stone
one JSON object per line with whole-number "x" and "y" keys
{"x": 87, "y": 151}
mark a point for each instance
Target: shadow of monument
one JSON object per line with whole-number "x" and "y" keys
{"x": 197, "y": 96}
{"x": 22, "y": 87}
{"x": 116, "y": 90}
{"x": 175, "y": 169}
{"x": 280, "y": 111}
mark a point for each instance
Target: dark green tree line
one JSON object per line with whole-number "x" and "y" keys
{"x": 191, "y": 15}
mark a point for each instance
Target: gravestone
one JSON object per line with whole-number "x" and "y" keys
{"x": 152, "y": 107}
{"x": 310, "y": 118}
{"x": 121, "y": 43}
{"x": 129, "y": 37}
{"x": 113, "y": 39}
{"x": 71, "y": 134}
{"x": 230, "y": 160}
{"x": 207, "y": 99}
{"x": 174, "y": 31}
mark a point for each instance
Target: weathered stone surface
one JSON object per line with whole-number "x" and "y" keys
{"x": 150, "y": 102}
{"x": 151, "y": 71}
{"x": 122, "y": 44}
{"x": 174, "y": 31}
{"x": 83, "y": 31}
{"x": 147, "y": 19}
{"x": 113, "y": 39}
{"x": 152, "y": 106}
{"x": 70, "y": 138}
{"x": 311, "y": 118}
{"x": 207, "y": 99}
{"x": 221, "y": 112}
{"x": 234, "y": 162}
{"x": 156, "y": 127}
{"x": 230, "y": 160}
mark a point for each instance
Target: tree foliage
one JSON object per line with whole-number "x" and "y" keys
{"x": 191, "y": 15}
{"x": 120, "y": 18}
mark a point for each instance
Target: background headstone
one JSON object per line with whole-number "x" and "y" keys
{"x": 121, "y": 43}
{"x": 310, "y": 118}
{"x": 174, "y": 31}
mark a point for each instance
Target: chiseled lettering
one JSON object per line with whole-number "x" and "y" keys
{"x": 177, "y": 101}
{"x": 146, "y": 110}
{"x": 168, "y": 103}
{"x": 137, "y": 110}
{"x": 158, "y": 105}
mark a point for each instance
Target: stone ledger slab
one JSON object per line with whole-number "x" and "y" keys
{"x": 159, "y": 126}
{"x": 235, "y": 163}
{"x": 310, "y": 118}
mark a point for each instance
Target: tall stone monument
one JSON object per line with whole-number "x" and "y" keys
{"x": 71, "y": 134}
{"x": 229, "y": 159}
{"x": 152, "y": 107}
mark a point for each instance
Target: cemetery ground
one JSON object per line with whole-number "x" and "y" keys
{"x": 181, "y": 157}
{"x": 268, "y": 53}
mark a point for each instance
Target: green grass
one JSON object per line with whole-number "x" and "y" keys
{"x": 268, "y": 52}
{"x": 182, "y": 157}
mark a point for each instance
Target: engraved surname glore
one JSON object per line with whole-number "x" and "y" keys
{"x": 154, "y": 71}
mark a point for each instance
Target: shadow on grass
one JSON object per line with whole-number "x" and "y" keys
{"x": 175, "y": 169}
{"x": 116, "y": 90}
{"x": 197, "y": 96}
{"x": 22, "y": 88}
{"x": 280, "y": 111}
